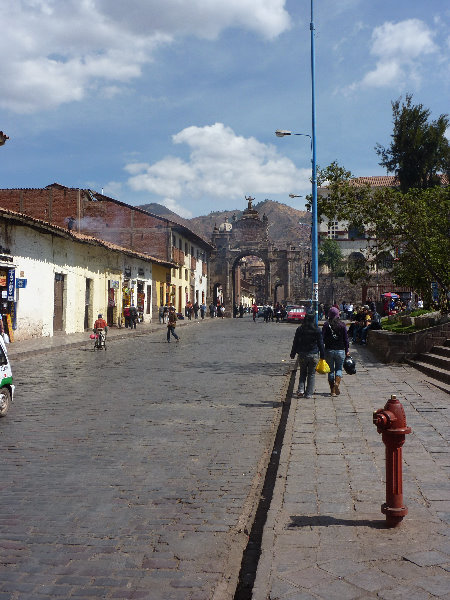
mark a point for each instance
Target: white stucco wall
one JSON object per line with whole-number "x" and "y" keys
{"x": 38, "y": 256}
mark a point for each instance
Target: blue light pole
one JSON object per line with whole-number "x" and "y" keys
{"x": 314, "y": 227}
{"x": 315, "y": 245}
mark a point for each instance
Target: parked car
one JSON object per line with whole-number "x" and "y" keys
{"x": 260, "y": 311}
{"x": 288, "y": 308}
{"x": 6, "y": 380}
{"x": 296, "y": 314}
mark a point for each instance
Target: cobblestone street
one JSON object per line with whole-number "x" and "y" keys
{"x": 132, "y": 473}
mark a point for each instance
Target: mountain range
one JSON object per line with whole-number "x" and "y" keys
{"x": 287, "y": 226}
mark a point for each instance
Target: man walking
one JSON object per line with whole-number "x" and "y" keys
{"x": 172, "y": 323}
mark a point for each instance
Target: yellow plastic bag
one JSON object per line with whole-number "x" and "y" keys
{"x": 322, "y": 367}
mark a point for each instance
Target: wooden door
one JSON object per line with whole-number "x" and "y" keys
{"x": 58, "y": 309}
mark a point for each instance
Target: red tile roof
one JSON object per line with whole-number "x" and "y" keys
{"x": 385, "y": 181}
{"x": 376, "y": 181}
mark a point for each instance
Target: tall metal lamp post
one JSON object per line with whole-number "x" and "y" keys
{"x": 282, "y": 133}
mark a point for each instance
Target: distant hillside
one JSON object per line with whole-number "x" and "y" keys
{"x": 163, "y": 211}
{"x": 284, "y": 228}
{"x": 284, "y": 220}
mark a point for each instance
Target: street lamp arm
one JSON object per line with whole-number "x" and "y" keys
{"x": 284, "y": 132}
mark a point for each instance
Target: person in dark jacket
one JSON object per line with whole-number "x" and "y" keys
{"x": 308, "y": 345}
{"x": 335, "y": 339}
{"x": 171, "y": 324}
{"x": 133, "y": 316}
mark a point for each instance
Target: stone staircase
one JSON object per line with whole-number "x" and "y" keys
{"x": 435, "y": 364}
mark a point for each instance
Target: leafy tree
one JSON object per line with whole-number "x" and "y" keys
{"x": 419, "y": 150}
{"x": 330, "y": 255}
{"x": 358, "y": 269}
{"x": 415, "y": 223}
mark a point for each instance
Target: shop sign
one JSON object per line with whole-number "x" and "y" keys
{"x": 11, "y": 284}
{"x": 115, "y": 285}
{"x": 21, "y": 283}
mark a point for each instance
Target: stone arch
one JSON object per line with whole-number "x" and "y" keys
{"x": 357, "y": 258}
{"x": 385, "y": 261}
{"x": 248, "y": 236}
{"x": 234, "y": 272}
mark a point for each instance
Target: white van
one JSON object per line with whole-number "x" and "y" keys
{"x": 6, "y": 380}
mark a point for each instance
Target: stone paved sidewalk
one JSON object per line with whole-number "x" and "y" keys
{"x": 325, "y": 537}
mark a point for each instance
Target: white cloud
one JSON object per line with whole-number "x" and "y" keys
{"x": 221, "y": 166}
{"x": 172, "y": 205}
{"x": 55, "y": 51}
{"x": 399, "y": 48}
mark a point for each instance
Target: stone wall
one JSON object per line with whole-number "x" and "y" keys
{"x": 395, "y": 347}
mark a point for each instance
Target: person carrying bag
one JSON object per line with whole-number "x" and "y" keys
{"x": 335, "y": 338}
{"x": 308, "y": 344}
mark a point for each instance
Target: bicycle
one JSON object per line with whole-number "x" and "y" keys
{"x": 100, "y": 340}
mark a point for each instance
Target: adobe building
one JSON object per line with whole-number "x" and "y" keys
{"x": 94, "y": 214}
{"x": 53, "y": 280}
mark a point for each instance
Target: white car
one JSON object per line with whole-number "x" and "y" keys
{"x": 6, "y": 380}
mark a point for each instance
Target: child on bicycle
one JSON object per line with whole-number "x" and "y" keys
{"x": 100, "y": 323}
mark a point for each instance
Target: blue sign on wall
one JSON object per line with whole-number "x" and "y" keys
{"x": 21, "y": 283}
{"x": 435, "y": 291}
{"x": 11, "y": 283}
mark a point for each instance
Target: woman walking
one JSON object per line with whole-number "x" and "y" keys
{"x": 308, "y": 345}
{"x": 335, "y": 339}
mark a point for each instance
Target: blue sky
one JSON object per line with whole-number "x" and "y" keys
{"x": 177, "y": 101}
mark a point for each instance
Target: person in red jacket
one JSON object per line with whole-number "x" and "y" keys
{"x": 254, "y": 311}
{"x": 100, "y": 323}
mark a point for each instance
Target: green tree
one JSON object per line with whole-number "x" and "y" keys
{"x": 415, "y": 224}
{"x": 330, "y": 255}
{"x": 419, "y": 151}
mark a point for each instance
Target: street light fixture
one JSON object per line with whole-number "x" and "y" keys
{"x": 294, "y": 196}
{"x": 284, "y": 132}
{"x": 312, "y": 137}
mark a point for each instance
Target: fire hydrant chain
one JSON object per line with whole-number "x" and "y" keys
{"x": 391, "y": 423}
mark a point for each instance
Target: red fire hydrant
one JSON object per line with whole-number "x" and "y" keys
{"x": 391, "y": 423}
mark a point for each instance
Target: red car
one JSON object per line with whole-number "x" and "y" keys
{"x": 296, "y": 314}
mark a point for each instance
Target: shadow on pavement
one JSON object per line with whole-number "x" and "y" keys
{"x": 327, "y": 521}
